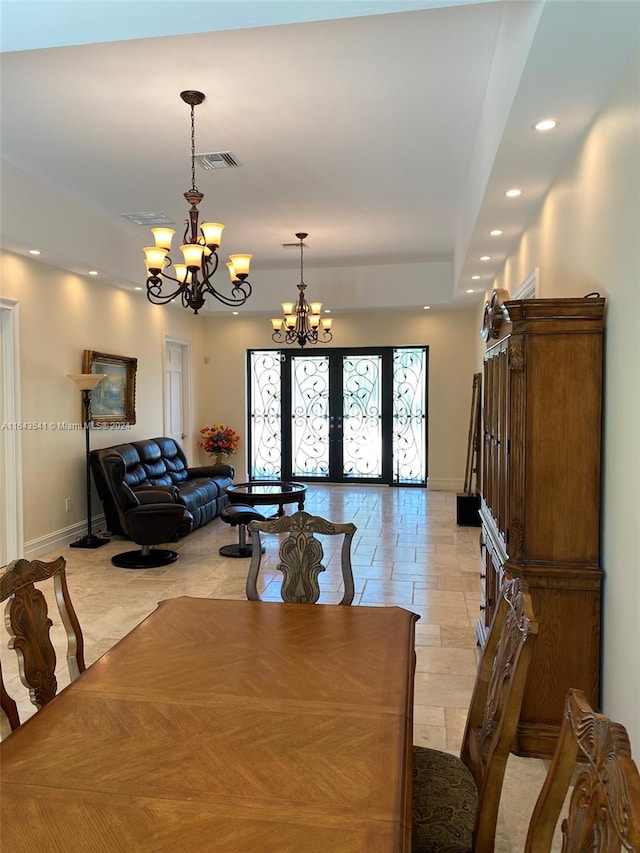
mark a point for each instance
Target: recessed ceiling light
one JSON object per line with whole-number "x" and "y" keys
{"x": 546, "y": 124}
{"x": 426, "y": 307}
{"x": 235, "y": 313}
{"x": 513, "y": 193}
{"x": 475, "y": 277}
{"x": 137, "y": 288}
{"x": 470, "y": 290}
{"x": 93, "y": 272}
{"x": 34, "y": 251}
{"x": 495, "y": 233}
{"x": 327, "y": 310}
{"x": 485, "y": 258}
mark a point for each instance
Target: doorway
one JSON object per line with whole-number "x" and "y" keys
{"x": 339, "y": 415}
{"x": 177, "y": 400}
{"x": 11, "y": 534}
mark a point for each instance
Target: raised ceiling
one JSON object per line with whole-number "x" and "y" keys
{"x": 389, "y": 134}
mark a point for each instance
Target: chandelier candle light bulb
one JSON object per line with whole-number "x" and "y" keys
{"x": 192, "y": 281}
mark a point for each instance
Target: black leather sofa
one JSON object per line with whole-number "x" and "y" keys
{"x": 124, "y": 473}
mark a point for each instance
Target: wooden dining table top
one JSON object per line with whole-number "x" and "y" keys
{"x": 224, "y": 725}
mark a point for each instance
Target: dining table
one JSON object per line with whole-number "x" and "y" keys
{"x": 224, "y": 725}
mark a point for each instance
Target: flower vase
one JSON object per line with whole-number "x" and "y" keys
{"x": 218, "y": 458}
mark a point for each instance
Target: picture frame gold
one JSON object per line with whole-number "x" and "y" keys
{"x": 113, "y": 401}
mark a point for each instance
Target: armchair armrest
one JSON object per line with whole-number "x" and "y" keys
{"x": 219, "y": 469}
{"x": 151, "y": 524}
{"x": 157, "y": 495}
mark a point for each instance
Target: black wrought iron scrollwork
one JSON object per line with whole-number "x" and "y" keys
{"x": 409, "y": 415}
{"x": 266, "y": 416}
{"x": 362, "y": 408}
{"x": 310, "y": 416}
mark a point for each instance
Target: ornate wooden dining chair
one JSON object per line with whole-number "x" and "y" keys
{"x": 604, "y": 809}
{"x": 301, "y": 555}
{"x": 28, "y": 624}
{"x": 8, "y": 706}
{"x": 456, "y": 800}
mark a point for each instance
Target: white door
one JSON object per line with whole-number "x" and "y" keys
{"x": 176, "y": 392}
{"x": 11, "y": 539}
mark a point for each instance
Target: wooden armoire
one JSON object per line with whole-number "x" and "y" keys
{"x": 540, "y": 501}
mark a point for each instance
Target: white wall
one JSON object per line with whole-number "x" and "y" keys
{"x": 62, "y": 314}
{"x": 587, "y": 238}
{"x": 449, "y": 334}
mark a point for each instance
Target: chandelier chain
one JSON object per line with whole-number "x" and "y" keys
{"x": 193, "y": 150}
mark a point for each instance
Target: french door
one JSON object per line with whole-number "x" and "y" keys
{"x": 338, "y": 415}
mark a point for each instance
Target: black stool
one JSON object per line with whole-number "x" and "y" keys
{"x": 239, "y": 515}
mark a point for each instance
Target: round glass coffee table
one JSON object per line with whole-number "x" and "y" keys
{"x": 267, "y": 492}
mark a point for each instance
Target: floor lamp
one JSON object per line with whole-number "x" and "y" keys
{"x": 86, "y": 382}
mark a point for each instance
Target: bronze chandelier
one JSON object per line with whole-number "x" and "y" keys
{"x": 191, "y": 280}
{"x": 302, "y": 323}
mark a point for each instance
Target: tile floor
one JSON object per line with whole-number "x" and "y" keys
{"x": 407, "y": 551}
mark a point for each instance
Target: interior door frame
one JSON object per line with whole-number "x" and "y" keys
{"x": 187, "y": 397}
{"x": 12, "y": 521}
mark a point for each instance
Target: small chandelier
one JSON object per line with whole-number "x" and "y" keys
{"x": 302, "y": 320}
{"x": 191, "y": 281}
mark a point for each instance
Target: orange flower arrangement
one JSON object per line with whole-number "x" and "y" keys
{"x": 219, "y": 440}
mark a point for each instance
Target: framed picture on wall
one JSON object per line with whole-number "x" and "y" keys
{"x": 113, "y": 401}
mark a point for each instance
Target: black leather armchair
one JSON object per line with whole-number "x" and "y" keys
{"x": 148, "y": 516}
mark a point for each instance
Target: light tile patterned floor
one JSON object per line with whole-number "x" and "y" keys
{"x": 407, "y": 551}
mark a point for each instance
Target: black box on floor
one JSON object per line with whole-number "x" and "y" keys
{"x": 467, "y": 507}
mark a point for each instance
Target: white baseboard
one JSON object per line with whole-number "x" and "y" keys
{"x": 444, "y": 484}
{"x": 62, "y": 538}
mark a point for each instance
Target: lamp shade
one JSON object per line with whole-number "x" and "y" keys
{"x": 192, "y": 255}
{"x": 86, "y": 381}
{"x": 155, "y": 257}
{"x": 241, "y": 264}
{"x": 163, "y": 237}
{"x": 181, "y": 272}
{"x": 212, "y": 233}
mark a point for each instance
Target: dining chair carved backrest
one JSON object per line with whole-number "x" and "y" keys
{"x": 300, "y": 556}
{"x": 604, "y": 807}
{"x": 456, "y": 799}
{"x": 28, "y": 623}
{"x": 8, "y": 706}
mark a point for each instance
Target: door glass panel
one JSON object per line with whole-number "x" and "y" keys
{"x": 310, "y": 416}
{"x": 266, "y": 416}
{"x": 409, "y": 415}
{"x": 362, "y": 416}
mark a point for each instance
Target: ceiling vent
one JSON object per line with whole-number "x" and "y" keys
{"x": 148, "y": 218}
{"x": 217, "y": 160}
